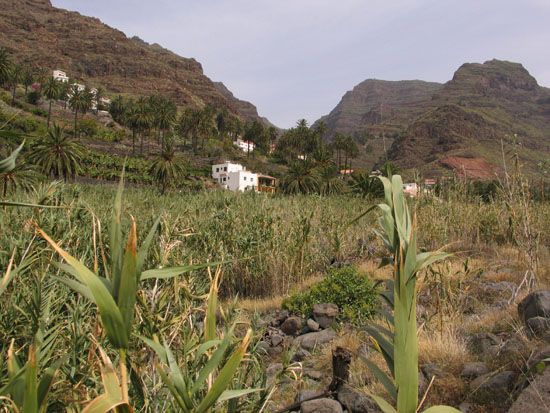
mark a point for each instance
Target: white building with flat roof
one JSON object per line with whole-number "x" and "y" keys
{"x": 245, "y": 146}
{"x": 235, "y": 177}
{"x": 60, "y": 76}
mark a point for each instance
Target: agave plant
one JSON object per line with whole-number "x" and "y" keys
{"x": 399, "y": 343}
{"x": 115, "y": 295}
{"x": 8, "y": 164}
{"x": 207, "y": 375}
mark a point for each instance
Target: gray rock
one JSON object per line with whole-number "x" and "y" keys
{"x": 312, "y": 325}
{"x": 485, "y": 344}
{"x": 538, "y": 326}
{"x": 276, "y": 339}
{"x": 281, "y": 316}
{"x": 473, "y": 370}
{"x": 538, "y": 356}
{"x": 301, "y": 355}
{"x": 536, "y": 304}
{"x": 313, "y": 374}
{"x": 492, "y": 388}
{"x": 356, "y": 402}
{"x": 325, "y": 314}
{"x": 311, "y": 340}
{"x": 263, "y": 347}
{"x": 466, "y": 407}
{"x": 292, "y": 326}
{"x": 308, "y": 394}
{"x": 536, "y": 397}
{"x": 321, "y": 406}
{"x": 430, "y": 370}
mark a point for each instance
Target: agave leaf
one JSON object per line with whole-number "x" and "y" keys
{"x": 144, "y": 249}
{"x": 175, "y": 393}
{"x": 47, "y": 379}
{"x": 426, "y": 259}
{"x": 16, "y": 375}
{"x": 108, "y": 310}
{"x": 8, "y": 276}
{"x": 441, "y": 409}
{"x": 212, "y": 306}
{"x": 8, "y": 164}
{"x": 204, "y": 347}
{"x": 386, "y": 347}
{"x": 224, "y": 377}
{"x": 128, "y": 280}
{"x": 25, "y": 204}
{"x": 383, "y": 404}
{"x": 30, "y": 405}
{"x": 156, "y": 347}
{"x": 164, "y": 273}
{"x": 77, "y": 287}
{"x": 212, "y": 364}
{"x": 382, "y": 377}
{"x": 113, "y": 395}
{"x": 115, "y": 242}
{"x": 233, "y": 394}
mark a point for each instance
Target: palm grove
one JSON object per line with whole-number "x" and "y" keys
{"x": 165, "y": 136}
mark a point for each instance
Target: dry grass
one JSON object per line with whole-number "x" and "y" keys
{"x": 445, "y": 348}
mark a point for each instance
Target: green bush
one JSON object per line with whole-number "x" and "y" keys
{"x": 40, "y": 112}
{"x": 33, "y": 97}
{"x": 88, "y": 127}
{"x": 354, "y": 294}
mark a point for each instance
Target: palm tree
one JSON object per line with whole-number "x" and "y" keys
{"x": 98, "y": 95}
{"x": 164, "y": 116}
{"x": 52, "y": 90}
{"x": 57, "y": 155}
{"x": 301, "y": 178}
{"x": 142, "y": 119}
{"x": 14, "y": 79}
{"x": 5, "y": 66}
{"x": 27, "y": 78}
{"x": 23, "y": 176}
{"x": 329, "y": 182}
{"x": 366, "y": 186}
{"x": 79, "y": 101}
{"x": 167, "y": 169}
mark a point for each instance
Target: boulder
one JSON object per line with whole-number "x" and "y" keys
{"x": 485, "y": 344}
{"x": 311, "y": 340}
{"x": 466, "y": 407}
{"x": 536, "y": 397}
{"x": 292, "y": 326}
{"x": 321, "y": 406}
{"x": 301, "y": 355}
{"x": 308, "y": 395}
{"x": 538, "y": 356}
{"x": 492, "y": 388}
{"x": 356, "y": 402}
{"x": 325, "y": 314}
{"x": 313, "y": 374}
{"x": 473, "y": 370}
{"x": 312, "y": 325}
{"x": 272, "y": 372}
{"x": 276, "y": 339}
{"x": 538, "y": 326}
{"x": 430, "y": 370}
{"x": 536, "y": 304}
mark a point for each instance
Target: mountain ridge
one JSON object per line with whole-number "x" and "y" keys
{"x": 38, "y": 33}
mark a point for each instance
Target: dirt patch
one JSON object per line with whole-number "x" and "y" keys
{"x": 472, "y": 168}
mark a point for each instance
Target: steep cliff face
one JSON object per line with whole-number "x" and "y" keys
{"x": 375, "y": 103}
{"x": 37, "y": 33}
{"x": 466, "y": 117}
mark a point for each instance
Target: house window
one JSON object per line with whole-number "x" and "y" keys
{"x": 217, "y": 169}
{"x": 224, "y": 179}
{"x": 225, "y": 169}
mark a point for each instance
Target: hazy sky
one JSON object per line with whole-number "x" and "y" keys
{"x": 296, "y": 58}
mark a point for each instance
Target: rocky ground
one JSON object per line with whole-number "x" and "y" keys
{"x": 483, "y": 345}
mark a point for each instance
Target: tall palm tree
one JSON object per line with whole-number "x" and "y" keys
{"x": 27, "y": 78}
{"x": 52, "y": 90}
{"x": 301, "y": 178}
{"x": 79, "y": 101}
{"x": 164, "y": 115}
{"x": 142, "y": 119}
{"x": 5, "y": 66}
{"x": 23, "y": 176}
{"x": 167, "y": 169}
{"x": 366, "y": 186}
{"x": 15, "y": 78}
{"x": 98, "y": 95}
{"x": 329, "y": 182}
{"x": 57, "y": 154}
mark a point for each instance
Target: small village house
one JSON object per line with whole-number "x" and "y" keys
{"x": 60, "y": 76}
{"x": 235, "y": 177}
{"x": 245, "y": 146}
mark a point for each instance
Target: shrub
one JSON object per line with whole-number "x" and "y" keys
{"x": 33, "y": 97}
{"x": 88, "y": 127}
{"x": 40, "y": 112}
{"x": 354, "y": 294}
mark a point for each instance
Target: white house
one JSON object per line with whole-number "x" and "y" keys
{"x": 235, "y": 177}
{"x": 245, "y": 146}
{"x": 60, "y": 76}
{"x": 411, "y": 189}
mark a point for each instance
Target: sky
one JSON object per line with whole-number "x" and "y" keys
{"x": 295, "y": 59}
